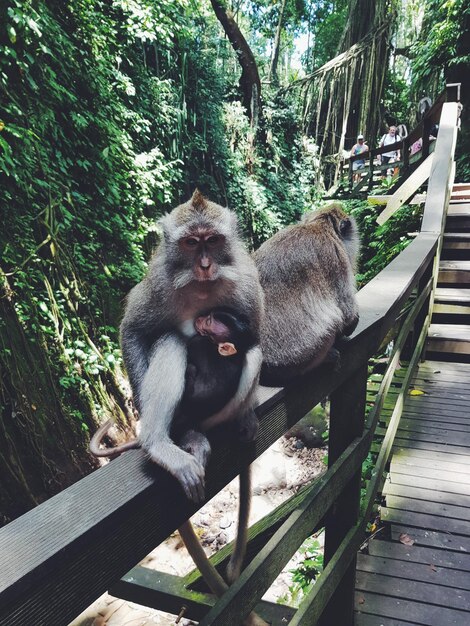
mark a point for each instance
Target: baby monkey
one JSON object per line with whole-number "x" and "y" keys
{"x": 216, "y": 356}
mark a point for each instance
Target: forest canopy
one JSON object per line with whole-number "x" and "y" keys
{"x": 113, "y": 111}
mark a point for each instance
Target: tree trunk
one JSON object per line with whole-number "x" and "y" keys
{"x": 273, "y": 76}
{"x": 250, "y": 83}
{"x": 42, "y": 449}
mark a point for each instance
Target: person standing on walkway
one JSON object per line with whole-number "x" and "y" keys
{"x": 358, "y": 165}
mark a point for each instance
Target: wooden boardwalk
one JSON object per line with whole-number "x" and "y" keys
{"x": 426, "y": 501}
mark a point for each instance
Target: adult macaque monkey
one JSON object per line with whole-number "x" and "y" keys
{"x": 307, "y": 274}
{"x": 201, "y": 264}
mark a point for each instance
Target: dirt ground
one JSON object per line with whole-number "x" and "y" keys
{"x": 277, "y": 475}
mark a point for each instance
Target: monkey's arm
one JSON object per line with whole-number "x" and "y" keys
{"x": 243, "y": 399}
{"x": 161, "y": 391}
{"x": 135, "y": 341}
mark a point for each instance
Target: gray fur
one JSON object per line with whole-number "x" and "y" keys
{"x": 157, "y": 323}
{"x": 307, "y": 274}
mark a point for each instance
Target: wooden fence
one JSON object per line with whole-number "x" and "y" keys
{"x": 407, "y": 162}
{"x": 59, "y": 557}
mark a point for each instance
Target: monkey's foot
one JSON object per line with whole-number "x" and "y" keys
{"x": 196, "y": 444}
{"x": 248, "y": 426}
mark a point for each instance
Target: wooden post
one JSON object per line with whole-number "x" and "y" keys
{"x": 406, "y": 154}
{"x": 427, "y": 124}
{"x": 347, "y": 411}
{"x": 411, "y": 342}
{"x": 351, "y": 182}
{"x": 370, "y": 184}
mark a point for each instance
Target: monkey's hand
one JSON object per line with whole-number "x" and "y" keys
{"x": 183, "y": 466}
{"x": 248, "y": 426}
{"x": 191, "y": 477}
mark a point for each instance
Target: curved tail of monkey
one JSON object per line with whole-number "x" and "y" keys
{"x": 97, "y": 439}
{"x": 213, "y": 579}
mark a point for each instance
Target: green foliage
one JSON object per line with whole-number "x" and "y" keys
{"x": 381, "y": 244}
{"x": 306, "y": 573}
{"x": 446, "y": 24}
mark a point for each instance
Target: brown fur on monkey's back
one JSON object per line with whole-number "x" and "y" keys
{"x": 301, "y": 271}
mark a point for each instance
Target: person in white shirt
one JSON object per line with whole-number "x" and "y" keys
{"x": 389, "y": 139}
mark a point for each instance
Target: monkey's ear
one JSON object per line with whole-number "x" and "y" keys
{"x": 226, "y": 349}
{"x": 344, "y": 226}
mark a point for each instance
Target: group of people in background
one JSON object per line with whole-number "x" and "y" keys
{"x": 390, "y": 138}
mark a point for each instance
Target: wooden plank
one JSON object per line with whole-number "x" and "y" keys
{"x": 255, "y": 579}
{"x": 431, "y": 483}
{"x": 361, "y": 619}
{"x": 444, "y": 367}
{"x": 167, "y": 592}
{"x": 460, "y": 194}
{"x": 452, "y": 295}
{"x": 430, "y": 426}
{"x": 428, "y": 522}
{"x": 407, "y": 190}
{"x": 433, "y": 538}
{"x": 439, "y": 347}
{"x": 449, "y": 438}
{"x": 438, "y": 420}
{"x": 407, "y": 589}
{"x": 454, "y": 332}
{"x": 347, "y": 408}
{"x": 454, "y": 272}
{"x": 458, "y": 208}
{"x": 429, "y": 445}
{"x": 428, "y": 495}
{"x": 460, "y": 186}
{"x": 442, "y": 171}
{"x": 419, "y": 613}
{"x": 427, "y": 472}
{"x": 451, "y": 309}
{"x": 440, "y": 458}
{"x": 442, "y": 558}
{"x": 410, "y": 570}
{"x": 430, "y": 461}
{"x": 429, "y": 508}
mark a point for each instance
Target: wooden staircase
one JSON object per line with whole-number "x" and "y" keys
{"x": 449, "y": 332}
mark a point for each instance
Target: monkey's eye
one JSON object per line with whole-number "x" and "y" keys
{"x": 191, "y": 242}
{"x": 213, "y": 240}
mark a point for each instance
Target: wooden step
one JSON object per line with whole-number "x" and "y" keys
{"x": 461, "y": 194}
{"x": 456, "y": 246}
{"x": 456, "y": 240}
{"x": 458, "y": 208}
{"x": 452, "y": 272}
{"x": 458, "y": 217}
{"x": 448, "y": 339}
{"x": 448, "y": 295}
{"x": 460, "y": 186}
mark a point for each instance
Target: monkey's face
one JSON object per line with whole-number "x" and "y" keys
{"x": 209, "y": 326}
{"x": 202, "y": 251}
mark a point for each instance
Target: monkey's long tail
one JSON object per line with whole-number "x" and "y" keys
{"x": 234, "y": 566}
{"x": 216, "y": 583}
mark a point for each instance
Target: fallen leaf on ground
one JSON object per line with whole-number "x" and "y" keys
{"x": 416, "y": 392}
{"x": 406, "y": 539}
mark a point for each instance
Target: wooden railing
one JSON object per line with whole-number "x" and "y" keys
{"x": 407, "y": 162}
{"x": 59, "y": 557}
